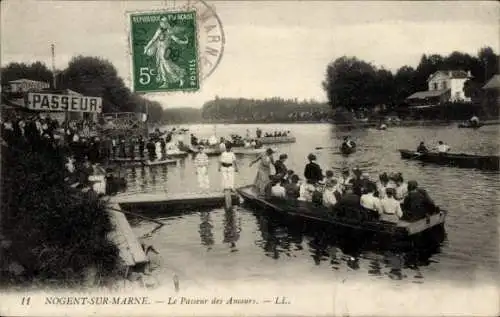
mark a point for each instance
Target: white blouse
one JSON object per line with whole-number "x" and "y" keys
{"x": 227, "y": 157}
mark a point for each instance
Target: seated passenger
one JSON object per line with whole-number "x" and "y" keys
{"x": 289, "y": 175}
{"x": 329, "y": 176}
{"x": 422, "y": 148}
{"x": 306, "y": 191}
{"x": 370, "y": 202}
{"x": 267, "y": 189}
{"x": 442, "y": 147}
{"x": 312, "y": 171}
{"x": 278, "y": 190}
{"x": 292, "y": 189}
{"x": 382, "y": 185}
{"x": 280, "y": 166}
{"x": 329, "y": 194}
{"x": 348, "y": 205}
{"x": 417, "y": 203}
{"x": 366, "y": 182}
{"x": 391, "y": 208}
{"x": 357, "y": 182}
{"x": 401, "y": 187}
{"x": 344, "y": 180}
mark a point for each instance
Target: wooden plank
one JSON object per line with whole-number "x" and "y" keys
{"x": 422, "y": 224}
{"x": 130, "y": 248}
{"x": 164, "y": 197}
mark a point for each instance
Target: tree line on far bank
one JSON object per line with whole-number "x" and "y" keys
{"x": 351, "y": 83}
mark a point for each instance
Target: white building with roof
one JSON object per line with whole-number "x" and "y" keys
{"x": 444, "y": 86}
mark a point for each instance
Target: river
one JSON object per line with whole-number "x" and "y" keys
{"x": 210, "y": 246}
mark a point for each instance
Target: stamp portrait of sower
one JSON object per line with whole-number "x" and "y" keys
{"x": 164, "y": 51}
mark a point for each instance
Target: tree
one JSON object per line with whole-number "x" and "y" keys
{"x": 489, "y": 62}
{"x": 404, "y": 83}
{"x": 36, "y": 71}
{"x": 354, "y": 84}
{"x": 93, "y": 76}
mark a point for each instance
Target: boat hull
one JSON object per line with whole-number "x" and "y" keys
{"x": 345, "y": 150}
{"x": 468, "y": 126}
{"x": 307, "y": 212}
{"x": 142, "y": 162}
{"x": 277, "y": 140}
{"x": 459, "y": 160}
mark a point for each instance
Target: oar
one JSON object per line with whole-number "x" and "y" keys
{"x": 417, "y": 154}
{"x": 324, "y": 147}
{"x": 137, "y": 215}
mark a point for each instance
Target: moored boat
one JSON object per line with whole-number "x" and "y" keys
{"x": 177, "y": 154}
{"x": 277, "y": 139}
{"x": 308, "y": 211}
{"x": 214, "y": 151}
{"x": 141, "y": 162}
{"x": 346, "y": 150}
{"x": 484, "y": 162}
{"x": 469, "y": 125}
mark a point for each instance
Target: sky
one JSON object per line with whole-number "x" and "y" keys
{"x": 272, "y": 48}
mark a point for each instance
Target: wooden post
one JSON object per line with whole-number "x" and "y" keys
{"x": 228, "y": 199}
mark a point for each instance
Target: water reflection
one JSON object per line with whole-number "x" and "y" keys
{"x": 206, "y": 230}
{"x": 471, "y": 221}
{"x": 232, "y": 229}
{"x": 328, "y": 246}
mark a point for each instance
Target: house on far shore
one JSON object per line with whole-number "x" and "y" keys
{"x": 443, "y": 86}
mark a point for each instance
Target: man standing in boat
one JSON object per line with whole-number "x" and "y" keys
{"x": 201, "y": 163}
{"x": 227, "y": 168}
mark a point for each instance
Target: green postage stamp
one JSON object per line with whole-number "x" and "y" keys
{"x": 164, "y": 47}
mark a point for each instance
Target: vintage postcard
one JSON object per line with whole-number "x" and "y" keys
{"x": 249, "y": 158}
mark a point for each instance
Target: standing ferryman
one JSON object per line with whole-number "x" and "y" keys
{"x": 227, "y": 167}
{"x": 201, "y": 163}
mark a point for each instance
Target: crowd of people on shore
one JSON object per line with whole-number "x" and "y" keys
{"x": 351, "y": 194}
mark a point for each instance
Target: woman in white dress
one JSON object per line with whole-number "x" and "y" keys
{"x": 264, "y": 171}
{"x": 227, "y": 167}
{"x": 159, "y": 47}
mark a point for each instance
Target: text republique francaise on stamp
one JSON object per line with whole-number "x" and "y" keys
{"x": 173, "y": 50}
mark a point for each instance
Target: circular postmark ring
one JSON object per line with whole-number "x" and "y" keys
{"x": 212, "y": 38}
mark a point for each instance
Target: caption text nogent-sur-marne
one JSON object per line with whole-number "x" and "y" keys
{"x": 123, "y": 300}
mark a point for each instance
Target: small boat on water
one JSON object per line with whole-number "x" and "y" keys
{"x": 346, "y": 150}
{"x": 469, "y": 125}
{"x": 491, "y": 162}
{"x": 177, "y": 154}
{"x": 214, "y": 151}
{"x": 141, "y": 162}
{"x": 309, "y": 212}
{"x": 277, "y": 139}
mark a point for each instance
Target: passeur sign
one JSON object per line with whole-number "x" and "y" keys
{"x": 72, "y": 103}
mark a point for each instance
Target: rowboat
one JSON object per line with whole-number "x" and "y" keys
{"x": 176, "y": 154}
{"x": 346, "y": 150}
{"x": 469, "y": 125}
{"x": 141, "y": 162}
{"x": 491, "y": 162}
{"x": 214, "y": 151}
{"x": 309, "y": 212}
{"x": 277, "y": 139}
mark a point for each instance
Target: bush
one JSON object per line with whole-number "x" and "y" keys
{"x": 56, "y": 231}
